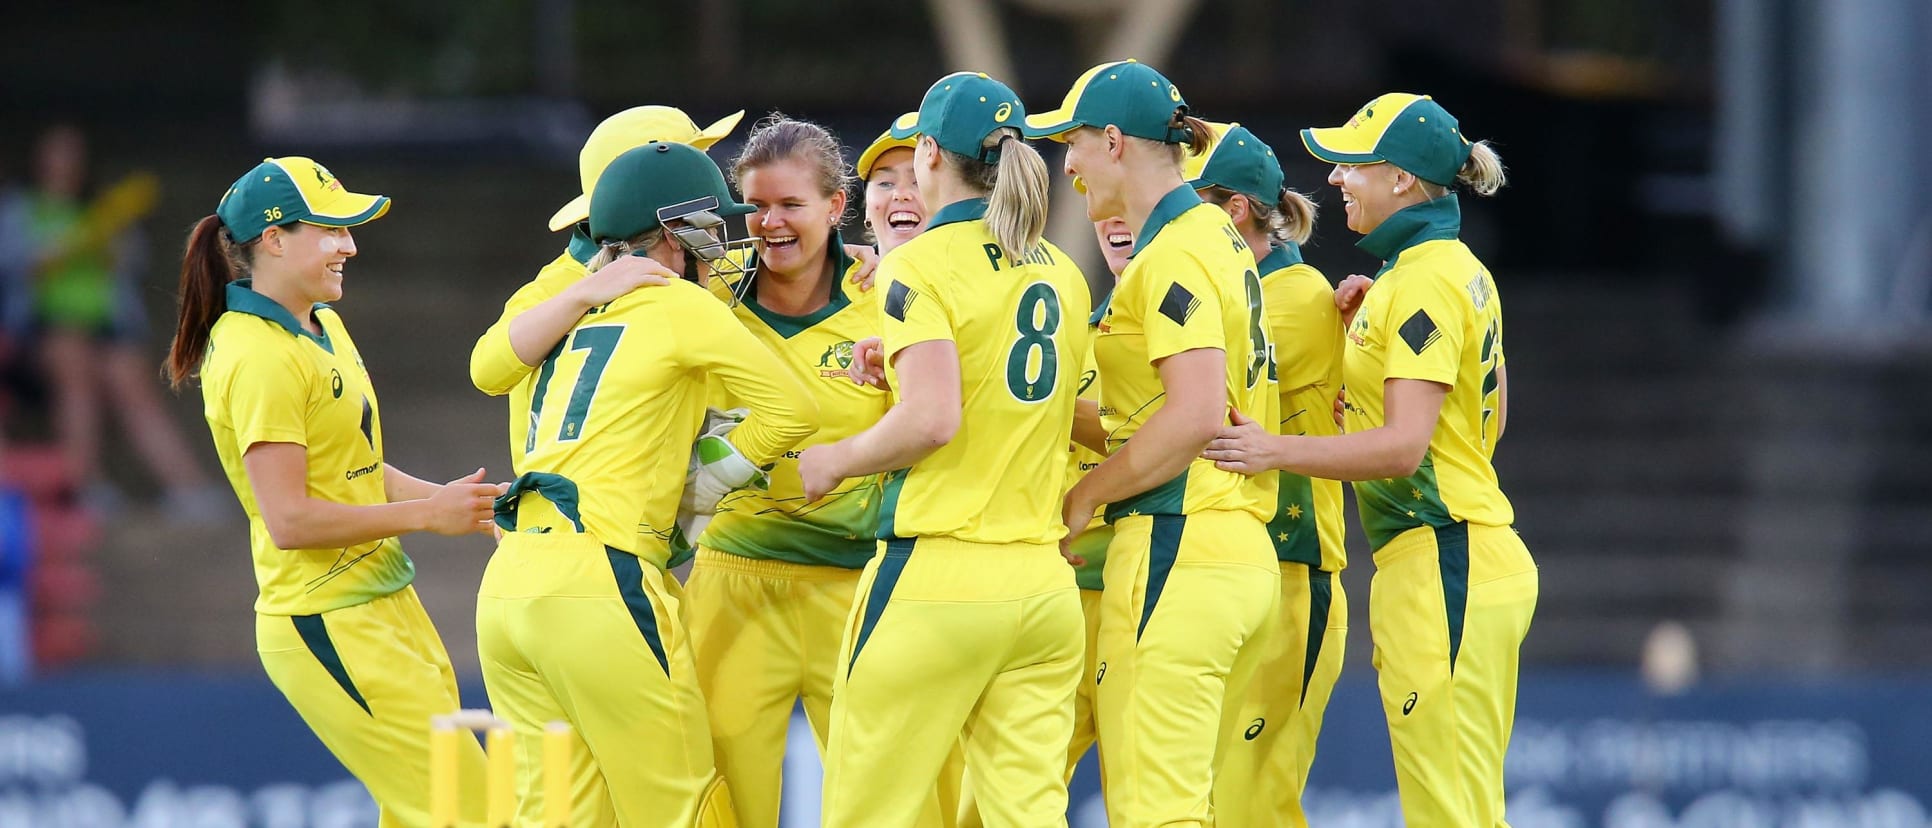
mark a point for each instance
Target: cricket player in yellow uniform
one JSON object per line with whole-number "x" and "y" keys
{"x": 1191, "y": 579}
{"x": 1261, "y": 781}
{"x": 968, "y": 620}
{"x": 1088, "y": 553}
{"x": 299, "y": 433}
{"x": 1426, "y": 398}
{"x": 772, "y": 585}
{"x": 894, "y": 213}
{"x": 574, "y": 618}
{"x": 495, "y": 367}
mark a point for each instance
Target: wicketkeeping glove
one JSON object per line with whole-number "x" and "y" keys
{"x": 717, "y": 468}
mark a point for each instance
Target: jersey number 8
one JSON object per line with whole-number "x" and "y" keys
{"x": 1038, "y": 319}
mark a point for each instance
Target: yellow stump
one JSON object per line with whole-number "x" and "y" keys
{"x": 501, "y": 786}
{"x": 444, "y": 784}
{"x": 556, "y": 775}
{"x": 500, "y": 789}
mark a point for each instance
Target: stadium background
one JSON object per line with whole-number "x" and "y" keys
{"x": 1716, "y": 249}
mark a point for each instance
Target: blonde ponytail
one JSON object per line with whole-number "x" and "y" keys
{"x": 1483, "y": 173}
{"x": 611, "y": 251}
{"x": 1016, "y": 207}
{"x": 1293, "y": 218}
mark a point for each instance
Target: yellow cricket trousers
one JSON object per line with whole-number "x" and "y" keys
{"x": 571, "y": 630}
{"x": 951, "y": 640}
{"x": 1448, "y": 610}
{"x": 1261, "y": 781}
{"x": 1189, "y": 607}
{"x": 366, "y": 679}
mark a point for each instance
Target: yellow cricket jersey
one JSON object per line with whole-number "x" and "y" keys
{"x": 1307, "y": 526}
{"x": 1191, "y": 284}
{"x": 1091, "y": 545}
{"x": 1433, "y": 314}
{"x": 494, "y": 366}
{"x": 1017, "y": 324}
{"x": 778, "y": 524}
{"x": 617, "y": 404}
{"x": 267, "y": 380}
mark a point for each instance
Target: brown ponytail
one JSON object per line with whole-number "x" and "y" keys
{"x": 209, "y": 264}
{"x": 1199, "y": 135}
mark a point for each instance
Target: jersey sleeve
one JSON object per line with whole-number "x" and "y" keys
{"x": 494, "y": 366}
{"x": 915, "y": 309}
{"x": 1427, "y": 323}
{"x": 267, "y": 396}
{"x": 709, "y": 339}
{"x": 1306, "y": 326}
{"x": 1181, "y": 311}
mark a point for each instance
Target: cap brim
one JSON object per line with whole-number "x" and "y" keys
{"x": 905, "y": 126}
{"x": 714, "y": 133}
{"x": 1050, "y": 125}
{"x": 733, "y": 208}
{"x": 878, "y": 149}
{"x": 1339, "y": 145}
{"x": 348, "y": 210}
{"x": 577, "y": 210}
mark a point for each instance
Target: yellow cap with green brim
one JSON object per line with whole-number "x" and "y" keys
{"x": 870, "y": 157}
{"x": 1128, "y": 94}
{"x": 1408, "y": 130}
{"x": 290, "y": 189}
{"x": 628, "y": 130}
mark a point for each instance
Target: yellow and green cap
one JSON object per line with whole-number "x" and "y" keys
{"x": 1238, "y": 161}
{"x": 643, "y": 181}
{"x": 885, "y": 141}
{"x": 1410, "y": 131}
{"x": 1126, "y": 93}
{"x": 288, "y": 189}
{"x": 959, "y": 111}
{"x": 630, "y": 129}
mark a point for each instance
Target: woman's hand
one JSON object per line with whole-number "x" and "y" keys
{"x": 868, "y": 363}
{"x": 818, "y": 469}
{"x": 1348, "y": 296}
{"x": 620, "y": 277}
{"x": 1077, "y": 511}
{"x": 1243, "y": 447}
{"x": 868, "y": 260}
{"x": 463, "y": 506}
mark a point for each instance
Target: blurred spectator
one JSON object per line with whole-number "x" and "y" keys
{"x": 73, "y": 265}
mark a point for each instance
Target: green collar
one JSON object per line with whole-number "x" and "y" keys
{"x": 790, "y": 326}
{"x": 1177, "y": 201}
{"x": 1437, "y": 220}
{"x": 969, "y": 209}
{"x": 242, "y": 298}
{"x": 1100, "y": 311}
{"x": 581, "y": 247}
{"x": 1281, "y": 256}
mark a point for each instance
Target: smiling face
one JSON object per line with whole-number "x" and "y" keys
{"x": 1371, "y": 193}
{"x": 793, "y": 219}
{"x": 1116, "y": 242}
{"x": 893, "y": 208}
{"x": 1092, "y": 155}
{"x": 309, "y": 259}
